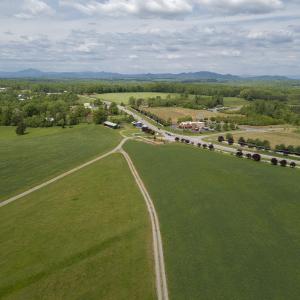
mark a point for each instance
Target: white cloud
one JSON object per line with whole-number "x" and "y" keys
{"x": 31, "y": 8}
{"x": 132, "y": 7}
{"x": 171, "y": 7}
{"x": 243, "y": 6}
{"x": 275, "y": 37}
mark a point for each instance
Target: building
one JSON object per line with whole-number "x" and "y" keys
{"x": 89, "y": 106}
{"x": 3, "y": 89}
{"x": 111, "y": 125}
{"x": 192, "y": 125}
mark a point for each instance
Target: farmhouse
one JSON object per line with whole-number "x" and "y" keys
{"x": 192, "y": 125}
{"x": 111, "y": 125}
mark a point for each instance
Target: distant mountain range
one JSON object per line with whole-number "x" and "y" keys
{"x": 192, "y": 76}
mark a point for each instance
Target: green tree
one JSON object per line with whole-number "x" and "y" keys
{"x": 99, "y": 116}
{"x": 113, "y": 108}
{"x": 21, "y": 128}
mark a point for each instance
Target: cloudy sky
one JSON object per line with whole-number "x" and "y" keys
{"x": 134, "y": 36}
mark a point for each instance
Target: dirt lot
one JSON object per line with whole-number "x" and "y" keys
{"x": 178, "y": 112}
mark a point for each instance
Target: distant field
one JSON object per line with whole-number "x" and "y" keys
{"x": 87, "y": 236}
{"x": 287, "y": 137}
{"x": 178, "y": 112}
{"x": 124, "y": 97}
{"x": 44, "y": 152}
{"x": 234, "y": 101}
{"x": 230, "y": 227}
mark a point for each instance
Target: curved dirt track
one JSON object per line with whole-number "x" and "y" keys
{"x": 14, "y": 198}
{"x": 160, "y": 272}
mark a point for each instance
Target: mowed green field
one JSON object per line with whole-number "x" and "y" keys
{"x": 45, "y": 152}
{"x": 234, "y": 101}
{"x": 124, "y": 97}
{"x": 87, "y": 236}
{"x": 230, "y": 227}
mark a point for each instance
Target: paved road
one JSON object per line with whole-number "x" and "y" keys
{"x": 169, "y": 136}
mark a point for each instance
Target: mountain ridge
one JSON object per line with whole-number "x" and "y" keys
{"x": 184, "y": 76}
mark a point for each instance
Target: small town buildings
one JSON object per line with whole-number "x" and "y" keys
{"x": 192, "y": 125}
{"x": 111, "y": 125}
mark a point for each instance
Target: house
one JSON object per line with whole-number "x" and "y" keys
{"x": 192, "y": 125}
{"x": 89, "y": 106}
{"x": 111, "y": 125}
{"x": 3, "y": 89}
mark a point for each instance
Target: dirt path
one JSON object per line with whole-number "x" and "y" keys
{"x": 161, "y": 278}
{"x": 14, "y": 198}
{"x": 160, "y": 273}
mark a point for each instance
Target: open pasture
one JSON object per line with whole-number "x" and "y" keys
{"x": 42, "y": 153}
{"x": 87, "y": 236}
{"x": 275, "y": 137}
{"x": 124, "y": 97}
{"x": 230, "y": 227}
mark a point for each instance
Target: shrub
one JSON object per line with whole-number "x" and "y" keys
{"x": 242, "y": 141}
{"x": 274, "y": 161}
{"x": 21, "y": 128}
{"x": 256, "y": 157}
{"x": 211, "y": 147}
{"x": 230, "y": 141}
{"x": 293, "y": 165}
{"x": 283, "y": 163}
{"x": 204, "y": 146}
{"x": 221, "y": 139}
{"x": 177, "y": 139}
{"x": 239, "y": 153}
{"x": 248, "y": 155}
{"x": 199, "y": 144}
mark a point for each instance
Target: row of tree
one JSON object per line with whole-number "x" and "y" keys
{"x": 274, "y": 161}
{"x": 274, "y": 91}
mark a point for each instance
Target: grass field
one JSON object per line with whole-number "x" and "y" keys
{"x": 84, "y": 237}
{"x": 234, "y": 101}
{"x": 124, "y": 97}
{"x": 44, "y": 152}
{"x": 230, "y": 227}
{"x": 276, "y": 137}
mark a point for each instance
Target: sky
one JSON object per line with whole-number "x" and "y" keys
{"x": 242, "y": 37}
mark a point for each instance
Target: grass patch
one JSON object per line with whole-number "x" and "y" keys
{"x": 234, "y": 101}
{"x": 87, "y": 236}
{"x": 124, "y": 97}
{"x": 230, "y": 227}
{"x": 45, "y": 152}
